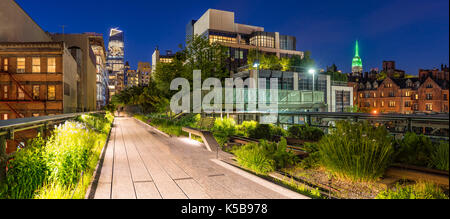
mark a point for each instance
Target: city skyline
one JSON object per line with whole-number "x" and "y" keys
{"x": 422, "y": 30}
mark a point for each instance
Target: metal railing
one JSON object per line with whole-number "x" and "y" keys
{"x": 9, "y": 127}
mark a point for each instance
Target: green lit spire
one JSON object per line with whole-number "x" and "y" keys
{"x": 357, "y": 66}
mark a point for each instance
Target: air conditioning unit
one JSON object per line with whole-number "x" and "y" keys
{"x": 20, "y": 70}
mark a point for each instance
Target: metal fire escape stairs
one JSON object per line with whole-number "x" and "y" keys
{"x": 19, "y": 85}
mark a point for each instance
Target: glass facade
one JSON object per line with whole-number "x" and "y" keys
{"x": 263, "y": 39}
{"x": 115, "y": 60}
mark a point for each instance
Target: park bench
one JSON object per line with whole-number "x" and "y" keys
{"x": 205, "y": 125}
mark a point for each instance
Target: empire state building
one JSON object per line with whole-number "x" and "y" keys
{"x": 357, "y": 66}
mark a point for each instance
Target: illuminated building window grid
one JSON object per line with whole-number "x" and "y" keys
{"x": 263, "y": 41}
{"x": 222, "y": 39}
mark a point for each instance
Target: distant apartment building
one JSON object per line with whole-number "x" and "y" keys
{"x": 219, "y": 26}
{"x": 38, "y": 76}
{"x": 98, "y": 47}
{"x": 132, "y": 78}
{"x": 115, "y": 61}
{"x": 81, "y": 46}
{"x": 427, "y": 93}
{"x": 157, "y": 57}
{"x": 144, "y": 72}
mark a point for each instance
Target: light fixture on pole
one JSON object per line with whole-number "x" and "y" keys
{"x": 313, "y": 72}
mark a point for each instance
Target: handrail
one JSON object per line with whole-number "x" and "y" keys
{"x": 33, "y": 122}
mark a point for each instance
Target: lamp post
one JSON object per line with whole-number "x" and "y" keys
{"x": 313, "y": 72}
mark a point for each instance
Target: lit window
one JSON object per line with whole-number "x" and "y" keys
{"x": 51, "y": 92}
{"x": 429, "y": 107}
{"x": 20, "y": 65}
{"x": 20, "y": 94}
{"x": 374, "y": 104}
{"x": 5, "y": 64}
{"x": 35, "y": 114}
{"x": 5, "y": 116}
{"x": 407, "y": 94}
{"x": 416, "y": 96}
{"x": 429, "y": 96}
{"x": 36, "y": 91}
{"x": 51, "y": 65}
{"x": 391, "y": 103}
{"x": 36, "y": 62}
{"x": 5, "y": 92}
{"x": 382, "y": 103}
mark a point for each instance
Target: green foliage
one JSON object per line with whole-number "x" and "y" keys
{"x": 414, "y": 149}
{"x": 246, "y": 127}
{"x": 265, "y": 156}
{"x": 440, "y": 156}
{"x": 54, "y": 166}
{"x": 223, "y": 129}
{"x": 305, "y": 132}
{"x": 272, "y": 62}
{"x": 421, "y": 190}
{"x": 313, "y": 159}
{"x": 27, "y": 171}
{"x": 255, "y": 158}
{"x": 169, "y": 125}
{"x": 262, "y": 131}
{"x": 356, "y": 151}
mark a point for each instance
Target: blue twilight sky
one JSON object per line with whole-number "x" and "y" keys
{"x": 414, "y": 33}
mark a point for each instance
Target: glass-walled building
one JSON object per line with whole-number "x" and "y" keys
{"x": 219, "y": 26}
{"x": 115, "y": 61}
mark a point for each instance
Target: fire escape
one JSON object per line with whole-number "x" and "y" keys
{"x": 9, "y": 102}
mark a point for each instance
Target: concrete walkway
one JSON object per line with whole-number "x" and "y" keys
{"x": 140, "y": 163}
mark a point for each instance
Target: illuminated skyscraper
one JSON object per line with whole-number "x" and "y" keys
{"x": 115, "y": 61}
{"x": 357, "y": 66}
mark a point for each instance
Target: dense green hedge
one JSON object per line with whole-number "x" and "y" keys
{"x": 52, "y": 168}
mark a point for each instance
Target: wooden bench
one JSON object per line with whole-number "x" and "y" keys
{"x": 207, "y": 137}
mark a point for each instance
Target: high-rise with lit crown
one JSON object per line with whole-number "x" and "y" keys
{"x": 115, "y": 61}
{"x": 357, "y": 66}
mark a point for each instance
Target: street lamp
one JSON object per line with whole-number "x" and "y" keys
{"x": 313, "y": 72}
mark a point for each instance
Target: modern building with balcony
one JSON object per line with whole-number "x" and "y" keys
{"x": 220, "y": 26}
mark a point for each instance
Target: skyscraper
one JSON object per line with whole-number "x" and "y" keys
{"x": 357, "y": 66}
{"x": 115, "y": 61}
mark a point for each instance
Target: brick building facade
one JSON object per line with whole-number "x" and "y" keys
{"x": 36, "y": 79}
{"x": 428, "y": 93}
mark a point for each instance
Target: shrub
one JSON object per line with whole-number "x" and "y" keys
{"x": 246, "y": 128}
{"x": 265, "y": 156}
{"x": 262, "y": 131}
{"x": 278, "y": 152}
{"x": 255, "y": 158}
{"x": 356, "y": 151}
{"x": 68, "y": 152}
{"x": 313, "y": 159}
{"x": 305, "y": 132}
{"x": 414, "y": 149}
{"x": 27, "y": 171}
{"x": 278, "y": 131}
{"x": 440, "y": 156}
{"x": 421, "y": 190}
{"x": 52, "y": 168}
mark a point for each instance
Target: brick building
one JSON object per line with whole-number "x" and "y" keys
{"x": 37, "y": 75}
{"x": 426, "y": 94}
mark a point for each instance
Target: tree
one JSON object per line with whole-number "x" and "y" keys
{"x": 208, "y": 57}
